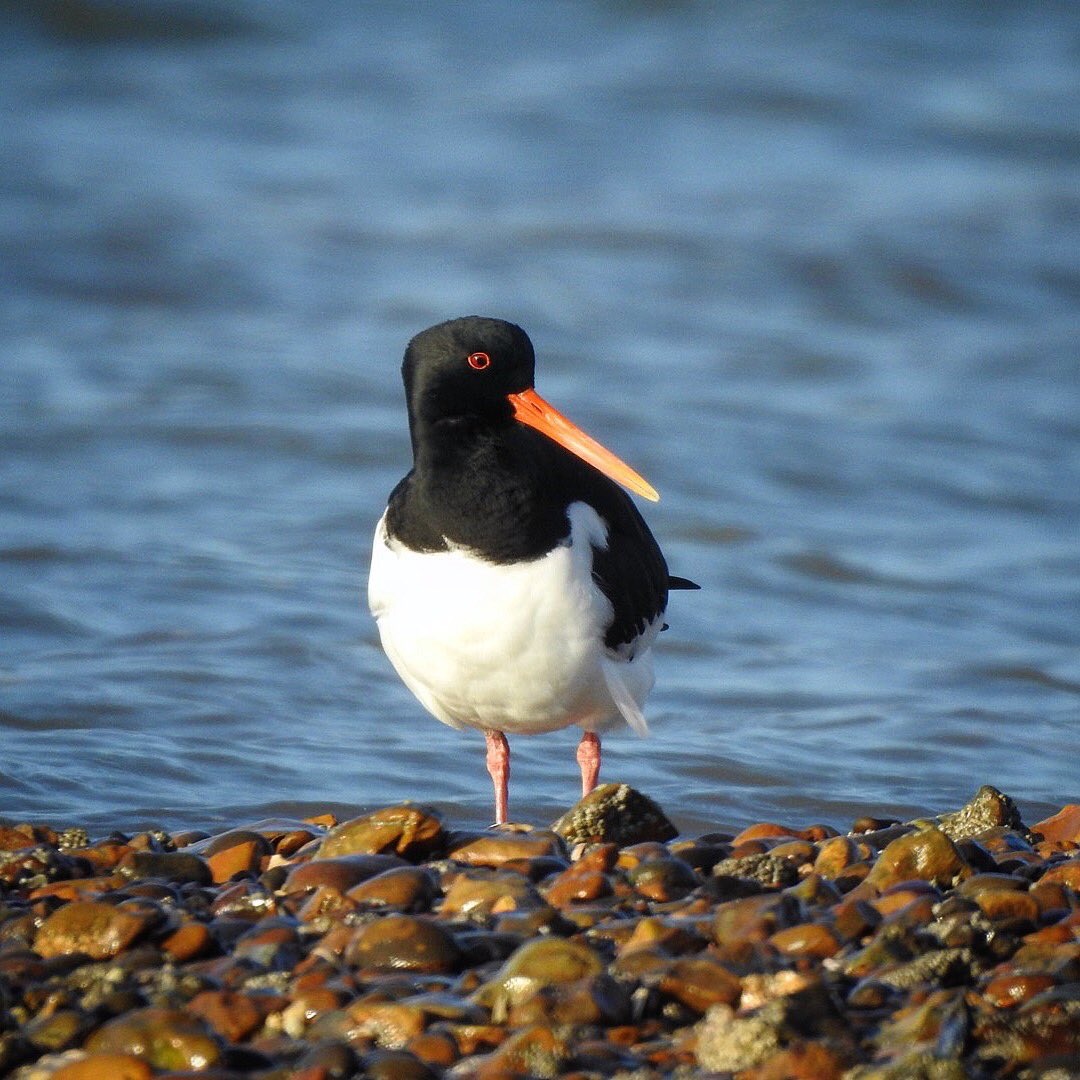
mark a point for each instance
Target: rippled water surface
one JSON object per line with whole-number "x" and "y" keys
{"x": 813, "y": 268}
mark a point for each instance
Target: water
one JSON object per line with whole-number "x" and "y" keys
{"x": 813, "y": 269}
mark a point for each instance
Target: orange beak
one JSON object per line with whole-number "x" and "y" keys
{"x": 531, "y": 409}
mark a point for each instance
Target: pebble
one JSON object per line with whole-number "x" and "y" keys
{"x": 105, "y": 1067}
{"x": 403, "y": 943}
{"x": 412, "y": 832}
{"x": 164, "y": 1038}
{"x": 616, "y": 813}
{"x": 99, "y": 930}
{"x": 391, "y": 946}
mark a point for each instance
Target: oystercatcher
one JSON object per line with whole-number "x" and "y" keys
{"x": 516, "y": 587}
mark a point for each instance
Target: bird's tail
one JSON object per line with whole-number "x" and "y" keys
{"x": 623, "y": 699}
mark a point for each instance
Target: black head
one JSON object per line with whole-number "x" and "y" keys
{"x": 466, "y": 368}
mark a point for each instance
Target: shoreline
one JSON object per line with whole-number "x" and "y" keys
{"x": 396, "y": 945}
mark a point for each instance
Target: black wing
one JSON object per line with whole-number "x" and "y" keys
{"x": 630, "y": 570}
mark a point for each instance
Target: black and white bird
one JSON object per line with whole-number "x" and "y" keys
{"x": 516, "y": 587}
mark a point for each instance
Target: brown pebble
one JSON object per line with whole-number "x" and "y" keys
{"x": 498, "y": 849}
{"x": 899, "y": 896}
{"x": 1050, "y": 896}
{"x": 232, "y": 1015}
{"x": 435, "y": 1048}
{"x": 165, "y": 1038}
{"x": 533, "y": 1051}
{"x": 597, "y": 856}
{"x": 752, "y": 918}
{"x": 806, "y": 939}
{"x": 96, "y": 929}
{"x": 242, "y": 857}
{"x": 187, "y": 941}
{"x": 807, "y": 1061}
{"x": 105, "y": 1067}
{"x": 289, "y": 843}
{"x": 480, "y": 892}
{"x": 390, "y": 1023}
{"x": 663, "y": 880}
{"x": 1065, "y": 873}
{"x": 853, "y": 919}
{"x": 926, "y": 855}
{"x": 674, "y": 936}
{"x": 412, "y": 832}
{"x": 1008, "y": 991}
{"x": 799, "y": 852}
{"x": 77, "y": 888}
{"x": 699, "y": 982}
{"x": 325, "y": 902}
{"x": 403, "y": 888}
{"x": 403, "y": 943}
{"x": 1062, "y": 826}
{"x": 340, "y": 873}
{"x": 1007, "y": 905}
{"x": 764, "y": 830}
{"x": 577, "y": 884}
{"x": 835, "y": 855}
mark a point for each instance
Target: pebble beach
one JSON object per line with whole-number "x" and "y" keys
{"x": 395, "y": 945}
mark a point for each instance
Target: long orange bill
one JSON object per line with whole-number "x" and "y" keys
{"x": 531, "y": 409}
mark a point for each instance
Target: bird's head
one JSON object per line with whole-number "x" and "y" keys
{"x": 483, "y": 369}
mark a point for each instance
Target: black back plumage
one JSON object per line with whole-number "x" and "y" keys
{"x": 484, "y": 482}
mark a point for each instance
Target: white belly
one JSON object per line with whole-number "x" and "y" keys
{"x": 515, "y": 648}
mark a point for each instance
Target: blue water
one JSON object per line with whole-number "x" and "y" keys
{"x": 814, "y": 269}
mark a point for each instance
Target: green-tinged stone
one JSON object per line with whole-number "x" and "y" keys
{"x": 413, "y": 832}
{"x": 617, "y": 813}
{"x": 544, "y": 962}
{"x": 925, "y": 855}
{"x": 166, "y": 1038}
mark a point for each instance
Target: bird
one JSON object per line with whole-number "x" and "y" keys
{"x": 516, "y": 587}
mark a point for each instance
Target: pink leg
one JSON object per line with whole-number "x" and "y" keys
{"x": 498, "y": 767}
{"x": 588, "y": 757}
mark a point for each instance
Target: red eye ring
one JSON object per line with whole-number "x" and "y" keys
{"x": 479, "y": 360}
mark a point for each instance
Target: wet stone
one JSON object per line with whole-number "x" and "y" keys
{"x": 616, "y": 813}
{"x": 806, "y": 939}
{"x": 395, "y": 1065}
{"x": 237, "y": 852}
{"x": 403, "y": 943}
{"x": 167, "y": 865}
{"x": 480, "y": 893}
{"x": 1063, "y": 827}
{"x": 339, "y": 873}
{"x": 988, "y": 809}
{"x": 97, "y": 929}
{"x": 165, "y": 1038}
{"x": 540, "y": 963}
{"x": 503, "y": 849}
{"x": 766, "y": 870}
{"x": 663, "y": 880}
{"x": 700, "y": 982}
{"x": 405, "y": 889}
{"x": 105, "y": 1067}
{"x": 56, "y": 1031}
{"x": 577, "y": 886}
{"x": 412, "y": 832}
{"x": 925, "y": 855}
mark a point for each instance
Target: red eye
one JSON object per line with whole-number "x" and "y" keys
{"x": 479, "y": 360}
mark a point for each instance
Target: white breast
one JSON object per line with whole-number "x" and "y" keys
{"x": 509, "y": 647}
